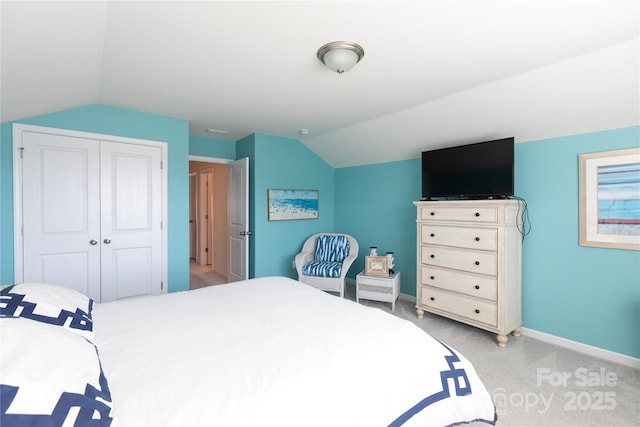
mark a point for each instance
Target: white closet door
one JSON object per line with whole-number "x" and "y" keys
{"x": 61, "y": 211}
{"x": 131, "y": 220}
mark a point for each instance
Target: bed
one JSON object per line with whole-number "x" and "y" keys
{"x": 262, "y": 352}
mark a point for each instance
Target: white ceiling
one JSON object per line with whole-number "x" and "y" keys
{"x": 434, "y": 73}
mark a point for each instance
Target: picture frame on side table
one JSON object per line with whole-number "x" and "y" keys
{"x": 376, "y": 266}
{"x": 609, "y": 196}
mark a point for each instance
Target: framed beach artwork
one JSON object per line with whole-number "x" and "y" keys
{"x": 610, "y": 199}
{"x": 286, "y": 205}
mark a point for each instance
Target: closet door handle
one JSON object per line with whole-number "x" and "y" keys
{"x": 107, "y": 241}
{"x": 93, "y": 242}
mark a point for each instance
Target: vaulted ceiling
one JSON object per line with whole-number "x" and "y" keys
{"x": 435, "y": 73}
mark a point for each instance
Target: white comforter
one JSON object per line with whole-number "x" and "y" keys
{"x": 275, "y": 352}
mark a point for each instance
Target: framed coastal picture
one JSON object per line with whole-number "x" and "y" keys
{"x": 286, "y": 205}
{"x": 610, "y": 199}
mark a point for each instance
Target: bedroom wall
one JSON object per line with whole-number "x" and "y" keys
{"x": 120, "y": 122}
{"x": 283, "y": 163}
{"x": 212, "y": 147}
{"x": 588, "y": 295}
{"x": 373, "y": 204}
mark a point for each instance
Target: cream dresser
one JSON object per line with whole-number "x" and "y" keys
{"x": 469, "y": 263}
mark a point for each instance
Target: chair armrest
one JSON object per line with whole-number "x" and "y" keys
{"x": 346, "y": 263}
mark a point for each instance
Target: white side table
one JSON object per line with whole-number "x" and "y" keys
{"x": 378, "y": 288}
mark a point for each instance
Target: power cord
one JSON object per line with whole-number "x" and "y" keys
{"x": 524, "y": 227}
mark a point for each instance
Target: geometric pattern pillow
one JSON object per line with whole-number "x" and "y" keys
{"x": 331, "y": 248}
{"x": 50, "y": 377}
{"x": 52, "y": 304}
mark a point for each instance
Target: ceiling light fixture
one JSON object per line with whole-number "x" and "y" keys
{"x": 340, "y": 56}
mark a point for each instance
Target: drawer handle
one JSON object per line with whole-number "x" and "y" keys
{"x": 433, "y": 256}
{"x": 433, "y": 277}
{"x": 477, "y": 239}
{"x": 433, "y": 235}
{"x": 432, "y": 213}
{"x": 477, "y": 213}
{"x": 477, "y": 286}
{"x": 477, "y": 311}
{"x": 432, "y": 299}
{"x": 477, "y": 262}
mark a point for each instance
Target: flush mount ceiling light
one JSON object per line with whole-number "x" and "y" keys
{"x": 340, "y": 56}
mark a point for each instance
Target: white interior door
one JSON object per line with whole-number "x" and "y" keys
{"x": 192, "y": 216}
{"x": 61, "y": 212}
{"x": 131, "y": 220}
{"x": 238, "y": 201}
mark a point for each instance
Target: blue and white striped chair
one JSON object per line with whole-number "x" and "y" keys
{"x": 325, "y": 260}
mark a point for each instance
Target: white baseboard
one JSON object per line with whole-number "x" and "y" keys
{"x": 590, "y": 350}
{"x": 406, "y": 297}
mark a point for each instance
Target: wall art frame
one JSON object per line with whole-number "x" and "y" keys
{"x": 376, "y": 266}
{"x": 609, "y": 197}
{"x": 287, "y": 204}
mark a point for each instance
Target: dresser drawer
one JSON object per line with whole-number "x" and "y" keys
{"x": 470, "y": 214}
{"x": 478, "y": 286}
{"x": 460, "y": 259}
{"x": 469, "y": 308}
{"x": 464, "y": 237}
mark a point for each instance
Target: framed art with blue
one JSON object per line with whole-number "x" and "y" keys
{"x": 609, "y": 196}
{"x": 284, "y": 205}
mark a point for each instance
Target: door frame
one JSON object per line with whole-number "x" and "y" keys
{"x": 204, "y": 159}
{"x": 18, "y": 129}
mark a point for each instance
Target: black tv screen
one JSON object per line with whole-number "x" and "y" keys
{"x": 483, "y": 170}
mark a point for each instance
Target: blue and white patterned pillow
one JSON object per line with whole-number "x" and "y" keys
{"x": 50, "y": 377}
{"x": 52, "y": 304}
{"x": 331, "y": 248}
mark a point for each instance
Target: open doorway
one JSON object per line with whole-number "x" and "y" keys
{"x": 208, "y": 232}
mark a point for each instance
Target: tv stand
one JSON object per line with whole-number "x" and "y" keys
{"x": 469, "y": 263}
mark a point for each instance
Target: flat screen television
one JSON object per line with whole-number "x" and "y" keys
{"x": 483, "y": 170}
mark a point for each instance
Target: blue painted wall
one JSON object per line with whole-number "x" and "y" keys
{"x": 127, "y": 123}
{"x": 212, "y": 147}
{"x": 374, "y": 205}
{"x": 588, "y": 295}
{"x": 284, "y": 163}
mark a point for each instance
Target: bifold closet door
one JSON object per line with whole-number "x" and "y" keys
{"x": 92, "y": 215}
